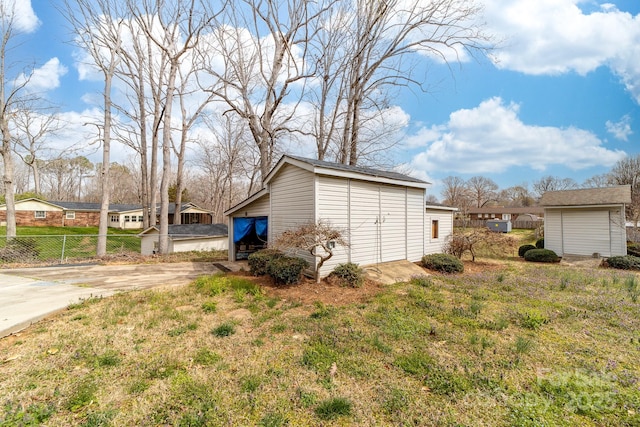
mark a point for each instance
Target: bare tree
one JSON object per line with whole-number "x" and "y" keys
{"x": 98, "y": 29}
{"x": 174, "y": 28}
{"x": 263, "y": 45}
{"x": 553, "y": 183}
{"x": 189, "y": 117}
{"x": 143, "y": 74}
{"x": 378, "y": 40}
{"x": 226, "y": 159}
{"x": 627, "y": 172}
{"x": 12, "y": 96}
{"x": 598, "y": 181}
{"x": 455, "y": 192}
{"x": 32, "y": 130}
{"x": 482, "y": 190}
{"x": 62, "y": 177}
{"x": 319, "y": 238}
{"x": 517, "y": 195}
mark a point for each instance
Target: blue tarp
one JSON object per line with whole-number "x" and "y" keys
{"x": 261, "y": 228}
{"x": 247, "y": 226}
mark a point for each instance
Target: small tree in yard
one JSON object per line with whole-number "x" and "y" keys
{"x": 479, "y": 239}
{"x": 318, "y": 238}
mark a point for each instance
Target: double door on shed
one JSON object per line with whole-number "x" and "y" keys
{"x": 377, "y": 222}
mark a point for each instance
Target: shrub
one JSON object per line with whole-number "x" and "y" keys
{"x": 349, "y": 274}
{"x": 259, "y": 261}
{"x": 523, "y": 249}
{"x": 540, "y": 243}
{"x": 20, "y": 249}
{"x": 626, "y": 262}
{"x": 633, "y": 249}
{"x": 443, "y": 262}
{"x": 541, "y": 255}
{"x": 286, "y": 270}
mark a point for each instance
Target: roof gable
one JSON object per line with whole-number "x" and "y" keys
{"x": 321, "y": 167}
{"x": 617, "y": 195}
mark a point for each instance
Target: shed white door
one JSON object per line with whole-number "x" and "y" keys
{"x": 377, "y": 223}
{"x": 586, "y": 232}
{"x": 393, "y": 220}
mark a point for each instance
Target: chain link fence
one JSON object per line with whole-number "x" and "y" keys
{"x": 49, "y": 249}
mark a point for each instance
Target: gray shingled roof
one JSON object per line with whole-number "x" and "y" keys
{"x": 198, "y": 230}
{"x": 357, "y": 169}
{"x": 113, "y": 207}
{"x": 86, "y": 206}
{"x": 588, "y": 196}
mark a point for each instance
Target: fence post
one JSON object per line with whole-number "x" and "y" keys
{"x": 64, "y": 243}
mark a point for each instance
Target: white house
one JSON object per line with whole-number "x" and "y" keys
{"x": 186, "y": 237}
{"x": 383, "y": 214}
{"x": 587, "y": 221}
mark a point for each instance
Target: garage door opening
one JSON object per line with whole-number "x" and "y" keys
{"x": 249, "y": 235}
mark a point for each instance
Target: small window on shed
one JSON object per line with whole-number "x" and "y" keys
{"x": 434, "y": 229}
{"x": 70, "y": 215}
{"x": 41, "y": 214}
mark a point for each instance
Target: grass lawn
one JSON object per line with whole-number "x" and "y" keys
{"x": 515, "y": 344}
{"x": 54, "y": 243}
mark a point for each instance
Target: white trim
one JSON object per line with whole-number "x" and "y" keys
{"x": 245, "y": 202}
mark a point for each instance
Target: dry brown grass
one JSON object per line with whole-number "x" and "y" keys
{"x": 453, "y": 350}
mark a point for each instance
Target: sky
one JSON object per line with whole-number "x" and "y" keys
{"x": 559, "y": 95}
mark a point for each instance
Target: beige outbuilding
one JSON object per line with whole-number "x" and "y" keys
{"x": 589, "y": 221}
{"x": 383, "y": 214}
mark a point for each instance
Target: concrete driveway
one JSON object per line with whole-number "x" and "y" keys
{"x": 30, "y": 294}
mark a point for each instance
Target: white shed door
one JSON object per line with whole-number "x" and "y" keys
{"x": 393, "y": 236}
{"x": 586, "y": 232}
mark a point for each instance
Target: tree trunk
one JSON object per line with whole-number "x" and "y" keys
{"x": 103, "y": 224}
{"x": 163, "y": 242}
{"x": 7, "y": 178}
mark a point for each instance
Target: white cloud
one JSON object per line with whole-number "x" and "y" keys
{"x": 491, "y": 138}
{"x": 46, "y": 77}
{"x": 556, "y": 36}
{"x": 24, "y": 18}
{"x": 620, "y": 129}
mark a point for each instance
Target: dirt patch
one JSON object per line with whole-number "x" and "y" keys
{"x": 482, "y": 266}
{"x": 310, "y": 292}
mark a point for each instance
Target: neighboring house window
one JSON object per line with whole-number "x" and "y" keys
{"x": 434, "y": 229}
{"x": 140, "y": 218}
{"x": 126, "y": 218}
{"x": 41, "y": 214}
{"x": 114, "y": 218}
{"x": 70, "y": 215}
{"x": 493, "y": 215}
{"x": 134, "y": 219}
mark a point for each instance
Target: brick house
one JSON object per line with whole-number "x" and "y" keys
{"x": 36, "y": 212}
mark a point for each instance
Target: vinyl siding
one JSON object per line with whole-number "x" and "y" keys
{"x": 393, "y": 210}
{"x": 433, "y": 245}
{"x": 292, "y": 202}
{"x": 333, "y": 206}
{"x": 364, "y": 225}
{"x": 586, "y": 232}
{"x": 415, "y": 224}
{"x": 618, "y": 232}
{"x": 553, "y": 230}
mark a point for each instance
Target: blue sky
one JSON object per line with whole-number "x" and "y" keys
{"x": 560, "y": 95}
